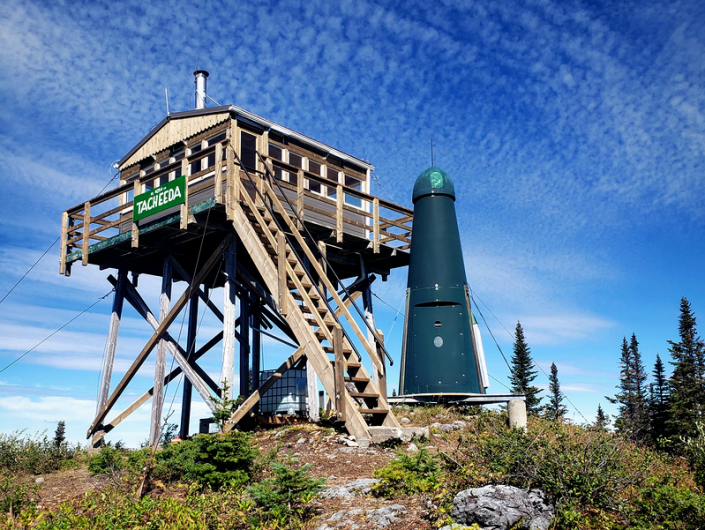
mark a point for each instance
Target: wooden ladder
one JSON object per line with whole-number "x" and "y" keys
{"x": 316, "y": 325}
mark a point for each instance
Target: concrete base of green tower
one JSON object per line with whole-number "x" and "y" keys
{"x": 452, "y": 398}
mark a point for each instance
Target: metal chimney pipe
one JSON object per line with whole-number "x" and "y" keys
{"x": 201, "y": 77}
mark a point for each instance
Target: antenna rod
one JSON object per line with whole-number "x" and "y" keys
{"x": 166, "y": 95}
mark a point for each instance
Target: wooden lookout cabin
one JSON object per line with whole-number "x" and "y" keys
{"x": 288, "y": 226}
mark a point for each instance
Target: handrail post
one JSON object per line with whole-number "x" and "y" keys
{"x": 64, "y": 238}
{"x": 339, "y": 370}
{"x": 340, "y": 199}
{"x": 184, "y": 207}
{"x": 218, "y": 183}
{"x": 86, "y": 232}
{"x": 375, "y": 225}
{"x": 136, "y": 189}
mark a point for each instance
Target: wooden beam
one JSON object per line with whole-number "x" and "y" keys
{"x": 110, "y": 425}
{"x": 87, "y": 228}
{"x": 375, "y": 225}
{"x": 257, "y": 394}
{"x": 281, "y": 270}
{"x": 244, "y": 345}
{"x": 300, "y": 197}
{"x": 339, "y": 369}
{"x": 382, "y": 380}
{"x": 111, "y": 344}
{"x": 340, "y": 203}
{"x": 163, "y": 326}
{"x": 201, "y": 294}
{"x": 218, "y": 181}
{"x": 64, "y": 237}
{"x": 136, "y": 189}
{"x": 160, "y": 364}
{"x": 227, "y": 373}
{"x": 183, "y": 223}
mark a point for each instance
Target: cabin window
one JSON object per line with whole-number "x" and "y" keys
{"x": 315, "y": 168}
{"x": 248, "y": 150}
{"x": 210, "y": 160}
{"x": 195, "y": 148}
{"x": 352, "y": 182}
{"x": 296, "y": 161}
{"x": 333, "y": 176}
{"x": 216, "y": 139}
{"x": 194, "y": 167}
{"x": 276, "y": 152}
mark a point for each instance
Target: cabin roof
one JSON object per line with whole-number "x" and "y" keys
{"x": 240, "y": 114}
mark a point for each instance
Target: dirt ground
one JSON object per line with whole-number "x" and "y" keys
{"x": 330, "y": 456}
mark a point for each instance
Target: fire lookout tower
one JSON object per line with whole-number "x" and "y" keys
{"x": 286, "y": 225}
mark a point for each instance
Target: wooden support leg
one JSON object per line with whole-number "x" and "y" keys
{"x": 109, "y": 354}
{"x": 161, "y": 329}
{"x": 160, "y": 365}
{"x": 256, "y": 344}
{"x": 378, "y": 373}
{"x": 382, "y": 382}
{"x": 244, "y": 344}
{"x": 312, "y": 392}
{"x": 190, "y": 350}
{"x": 228, "y": 366}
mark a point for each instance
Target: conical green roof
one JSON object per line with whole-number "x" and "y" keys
{"x": 433, "y": 181}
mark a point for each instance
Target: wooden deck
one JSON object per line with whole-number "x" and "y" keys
{"x": 101, "y": 230}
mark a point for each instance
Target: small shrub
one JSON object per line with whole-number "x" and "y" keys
{"x": 107, "y": 461}
{"x": 15, "y": 496}
{"x": 210, "y": 460}
{"x": 408, "y": 474}
{"x": 285, "y": 498}
{"x": 21, "y": 453}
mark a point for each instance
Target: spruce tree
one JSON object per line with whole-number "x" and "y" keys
{"x": 639, "y": 420}
{"x": 601, "y": 420}
{"x": 658, "y": 402}
{"x": 625, "y": 397}
{"x": 555, "y": 409}
{"x": 686, "y": 383}
{"x": 522, "y": 372}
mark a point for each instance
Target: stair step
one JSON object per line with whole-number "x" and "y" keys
{"x": 364, "y": 395}
{"x": 328, "y": 349}
{"x": 373, "y": 411}
{"x": 357, "y": 380}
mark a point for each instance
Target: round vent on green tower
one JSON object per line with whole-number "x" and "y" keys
{"x": 433, "y": 181}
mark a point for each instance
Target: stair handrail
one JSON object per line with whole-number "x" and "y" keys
{"x": 317, "y": 250}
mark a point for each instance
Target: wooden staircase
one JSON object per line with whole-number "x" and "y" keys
{"x": 275, "y": 243}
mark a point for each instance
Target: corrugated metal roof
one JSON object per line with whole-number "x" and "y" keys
{"x": 254, "y": 118}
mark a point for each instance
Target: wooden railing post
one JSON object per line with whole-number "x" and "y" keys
{"x": 218, "y": 181}
{"x": 375, "y": 225}
{"x": 184, "y": 207}
{"x": 300, "y": 196}
{"x": 340, "y": 201}
{"x": 382, "y": 376}
{"x": 339, "y": 371}
{"x": 86, "y": 232}
{"x": 281, "y": 266}
{"x": 64, "y": 237}
{"x": 136, "y": 190}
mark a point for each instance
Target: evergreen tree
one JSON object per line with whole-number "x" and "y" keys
{"x": 625, "y": 397}
{"x": 601, "y": 420}
{"x": 60, "y": 435}
{"x": 632, "y": 395}
{"x": 555, "y": 409}
{"x": 522, "y": 372}
{"x": 658, "y": 402}
{"x": 686, "y": 383}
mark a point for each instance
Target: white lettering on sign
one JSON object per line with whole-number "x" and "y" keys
{"x": 160, "y": 198}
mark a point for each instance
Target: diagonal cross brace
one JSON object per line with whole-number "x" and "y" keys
{"x": 174, "y": 348}
{"x": 163, "y": 326}
{"x": 109, "y": 426}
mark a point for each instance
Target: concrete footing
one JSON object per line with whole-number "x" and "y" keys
{"x": 517, "y": 413}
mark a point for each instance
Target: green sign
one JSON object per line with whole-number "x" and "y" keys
{"x": 159, "y": 199}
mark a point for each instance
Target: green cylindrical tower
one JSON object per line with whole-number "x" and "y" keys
{"x": 437, "y": 354}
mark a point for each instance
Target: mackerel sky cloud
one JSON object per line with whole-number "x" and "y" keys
{"x": 574, "y": 132}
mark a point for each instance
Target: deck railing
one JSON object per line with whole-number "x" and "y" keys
{"x": 88, "y": 226}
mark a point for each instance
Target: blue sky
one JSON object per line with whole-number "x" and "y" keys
{"x": 574, "y": 133}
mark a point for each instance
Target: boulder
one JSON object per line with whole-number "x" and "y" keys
{"x": 501, "y": 507}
